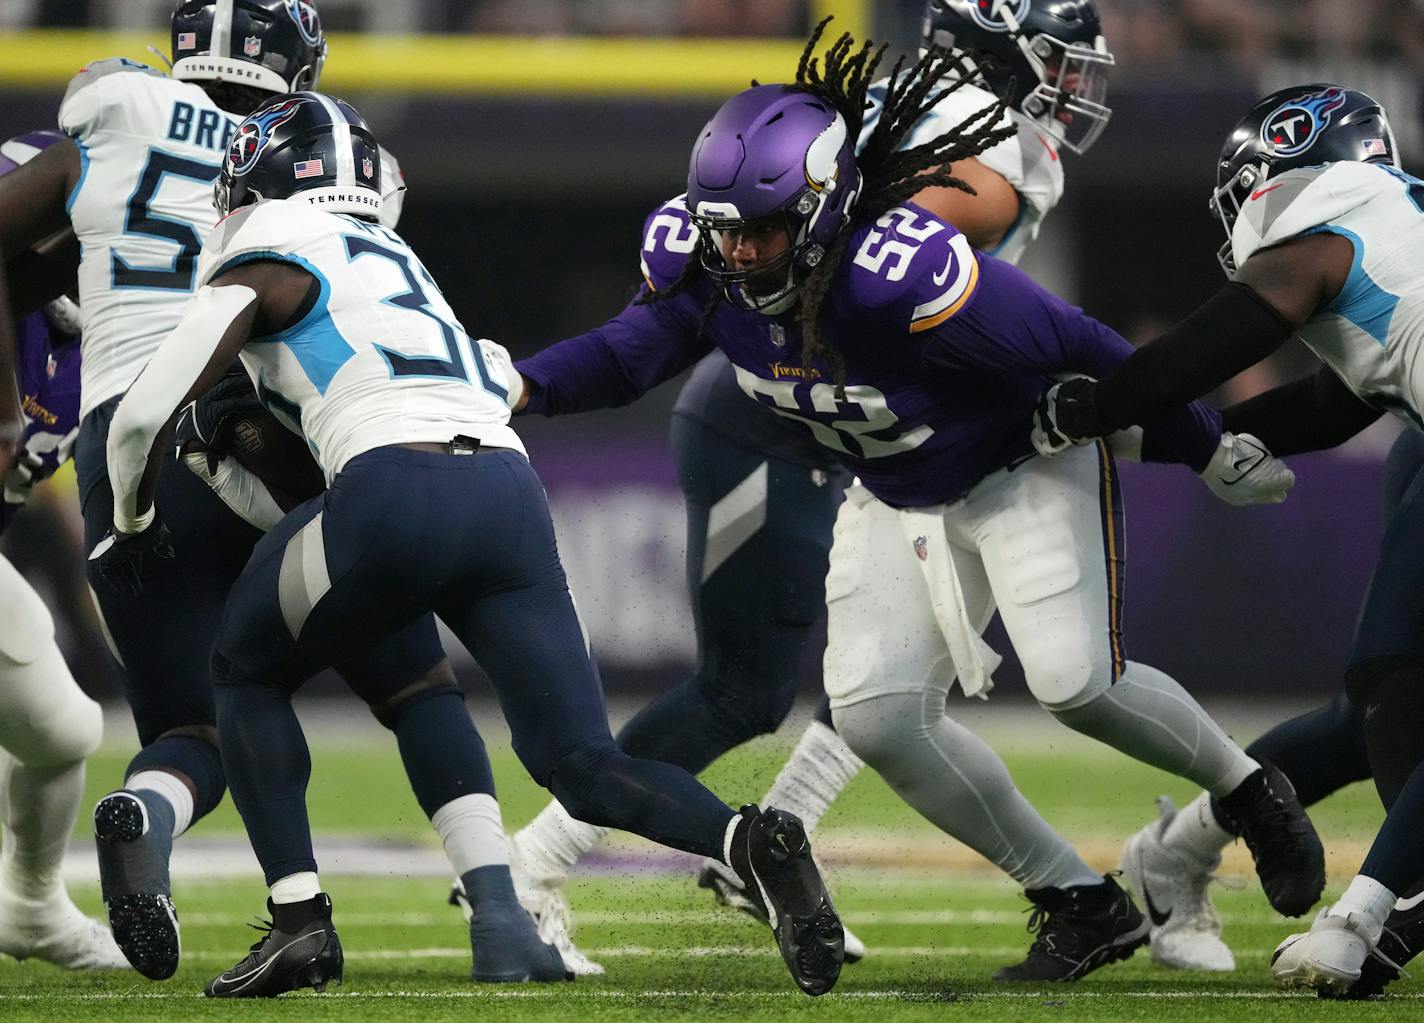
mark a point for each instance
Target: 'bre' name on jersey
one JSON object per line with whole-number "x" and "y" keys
{"x": 200, "y": 129}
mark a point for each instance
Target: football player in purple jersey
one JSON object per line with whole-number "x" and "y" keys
{"x": 844, "y": 306}
{"x": 762, "y": 494}
{"x": 47, "y": 725}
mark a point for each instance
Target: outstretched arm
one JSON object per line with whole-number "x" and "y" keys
{"x": 1311, "y": 414}
{"x": 1271, "y": 297}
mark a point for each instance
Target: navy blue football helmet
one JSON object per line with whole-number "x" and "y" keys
{"x": 1052, "y": 51}
{"x": 1303, "y": 126}
{"x": 305, "y": 146}
{"x": 273, "y": 45}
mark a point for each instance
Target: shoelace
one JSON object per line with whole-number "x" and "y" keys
{"x": 265, "y": 928}
{"x": 1375, "y": 953}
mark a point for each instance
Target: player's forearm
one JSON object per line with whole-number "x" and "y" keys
{"x": 161, "y": 389}
{"x": 1188, "y": 434}
{"x": 1233, "y": 330}
{"x": 1311, "y": 414}
{"x": 240, "y": 489}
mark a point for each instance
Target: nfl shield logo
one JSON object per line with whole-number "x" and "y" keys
{"x": 922, "y": 547}
{"x": 51, "y": 367}
{"x": 368, "y": 167}
{"x": 252, "y": 46}
{"x": 778, "y": 335}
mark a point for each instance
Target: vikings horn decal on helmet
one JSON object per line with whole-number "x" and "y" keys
{"x": 1049, "y": 56}
{"x": 306, "y": 147}
{"x": 772, "y": 151}
{"x": 1303, "y": 126}
{"x": 274, "y": 45}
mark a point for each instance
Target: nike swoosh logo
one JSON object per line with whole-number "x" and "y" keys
{"x": 1244, "y": 466}
{"x": 943, "y": 275}
{"x": 1404, "y": 905}
{"x": 1262, "y": 191}
{"x": 1159, "y": 918}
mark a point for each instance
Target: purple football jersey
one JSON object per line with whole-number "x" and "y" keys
{"x": 49, "y": 399}
{"x": 946, "y": 353}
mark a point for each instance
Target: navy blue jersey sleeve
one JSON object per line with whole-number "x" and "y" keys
{"x": 616, "y": 363}
{"x": 1013, "y": 326}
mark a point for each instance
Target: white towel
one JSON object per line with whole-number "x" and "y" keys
{"x": 974, "y": 659}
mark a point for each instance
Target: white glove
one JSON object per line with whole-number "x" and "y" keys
{"x": 501, "y": 364}
{"x": 1243, "y": 471}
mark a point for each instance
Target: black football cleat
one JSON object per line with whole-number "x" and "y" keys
{"x": 298, "y": 949}
{"x": 1402, "y": 940}
{"x": 1078, "y": 930}
{"x": 1290, "y": 860}
{"x": 772, "y": 856}
{"x": 133, "y": 877}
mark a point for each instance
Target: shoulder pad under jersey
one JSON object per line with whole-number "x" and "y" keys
{"x": 100, "y": 87}
{"x": 668, "y": 240}
{"x": 272, "y": 229}
{"x": 912, "y": 267}
{"x": 1293, "y": 203}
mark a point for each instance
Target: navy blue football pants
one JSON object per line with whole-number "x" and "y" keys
{"x": 1325, "y": 749}
{"x": 758, "y": 543}
{"x": 400, "y": 534}
{"x": 163, "y": 638}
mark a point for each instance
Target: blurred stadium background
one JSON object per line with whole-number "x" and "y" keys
{"x": 535, "y": 134}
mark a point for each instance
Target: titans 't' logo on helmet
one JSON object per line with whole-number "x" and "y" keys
{"x": 256, "y": 132}
{"x": 1293, "y": 127}
{"x": 308, "y": 21}
{"x": 989, "y": 14}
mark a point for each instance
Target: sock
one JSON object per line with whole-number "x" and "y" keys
{"x": 821, "y": 766}
{"x": 1368, "y": 898}
{"x": 958, "y": 783}
{"x": 297, "y": 887}
{"x": 163, "y": 786}
{"x": 489, "y": 887}
{"x": 443, "y": 755}
{"x": 553, "y": 842}
{"x": 38, "y": 807}
{"x": 194, "y": 759}
{"x": 1154, "y": 720}
{"x": 1398, "y": 849}
{"x": 472, "y": 832}
{"x": 1197, "y": 832}
{"x": 729, "y": 841}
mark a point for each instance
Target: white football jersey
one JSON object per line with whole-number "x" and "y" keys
{"x": 150, "y": 150}
{"x": 1372, "y": 333}
{"x": 1028, "y": 161}
{"x": 380, "y": 359}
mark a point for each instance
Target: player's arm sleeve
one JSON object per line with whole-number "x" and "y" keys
{"x": 160, "y": 389}
{"x": 617, "y": 363}
{"x": 1231, "y": 331}
{"x": 1311, "y": 414}
{"x": 240, "y": 489}
{"x": 1015, "y": 327}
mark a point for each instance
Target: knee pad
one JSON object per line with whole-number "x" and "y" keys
{"x": 1068, "y": 684}
{"x": 45, "y": 718}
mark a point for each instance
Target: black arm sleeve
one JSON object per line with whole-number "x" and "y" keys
{"x": 1310, "y": 414}
{"x": 1232, "y": 330}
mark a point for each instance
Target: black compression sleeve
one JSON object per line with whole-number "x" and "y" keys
{"x": 1311, "y": 414}
{"x": 1232, "y": 330}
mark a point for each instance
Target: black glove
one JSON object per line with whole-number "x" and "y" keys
{"x": 119, "y": 556}
{"x": 207, "y": 423}
{"x": 1067, "y": 414}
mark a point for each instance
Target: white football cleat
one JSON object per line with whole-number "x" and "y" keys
{"x": 55, "y": 931}
{"x": 1330, "y": 956}
{"x": 724, "y": 883}
{"x": 1172, "y": 886}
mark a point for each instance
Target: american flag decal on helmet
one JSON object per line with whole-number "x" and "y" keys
{"x": 1375, "y": 147}
{"x": 187, "y": 40}
{"x": 309, "y": 169}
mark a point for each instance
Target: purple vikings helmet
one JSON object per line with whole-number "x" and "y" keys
{"x": 772, "y": 151}
{"x": 63, "y": 312}
{"x": 1053, "y": 51}
{"x": 1303, "y": 126}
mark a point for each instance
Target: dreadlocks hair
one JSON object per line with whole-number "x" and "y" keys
{"x": 889, "y": 175}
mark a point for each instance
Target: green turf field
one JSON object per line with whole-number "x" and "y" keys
{"x": 937, "y": 925}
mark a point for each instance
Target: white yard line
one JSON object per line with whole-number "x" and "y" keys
{"x": 564, "y": 994}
